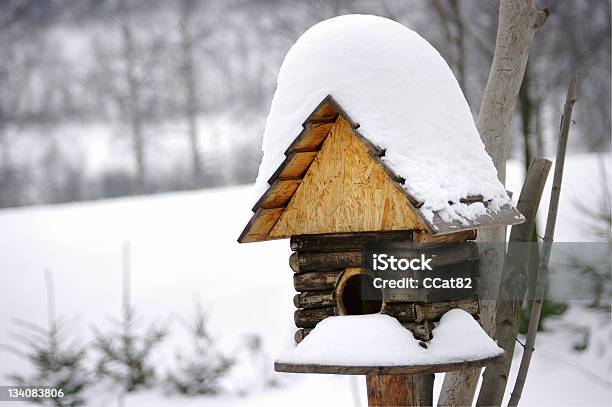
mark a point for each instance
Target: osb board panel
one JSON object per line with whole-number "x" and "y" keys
{"x": 312, "y": 137}
{"x": 279, "y": 193}
{"x": 260, "y": 225}
{"x": 345, "y": 190}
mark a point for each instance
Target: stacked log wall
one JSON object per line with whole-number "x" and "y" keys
{"x": 319, "y": 261}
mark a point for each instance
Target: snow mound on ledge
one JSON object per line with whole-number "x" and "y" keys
{"x": 380, "y": 340}
{"x": 404, "y": 96}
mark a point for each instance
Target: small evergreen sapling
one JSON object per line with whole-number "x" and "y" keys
{"x": 200, "y": 371}
{"x": 124, "y": 354}
{"x": 57, "y": 363}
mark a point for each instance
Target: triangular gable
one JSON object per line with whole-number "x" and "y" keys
{"x": 346, "y": 190}
{"x": 286, "y": 180}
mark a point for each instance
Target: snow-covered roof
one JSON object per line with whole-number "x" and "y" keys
{"x": 406, "y": 102}
{"x": 378, "y": 340}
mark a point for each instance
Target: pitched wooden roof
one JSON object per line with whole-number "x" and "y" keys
{"x": 302, "y": 152}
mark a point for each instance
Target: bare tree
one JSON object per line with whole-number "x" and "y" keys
{"x": 518, "y": 23}
{"x": 542, "y": 274}
{"x": 451, "y": 18}
{"x": 43, "y": 82}
{"x": 133, "y": 99}
{"x": 186, "y": 8}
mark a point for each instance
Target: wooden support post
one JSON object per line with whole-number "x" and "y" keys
{"x": 400, "y": 390}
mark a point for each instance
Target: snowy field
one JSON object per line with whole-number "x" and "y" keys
{"x": 185, "y": 243}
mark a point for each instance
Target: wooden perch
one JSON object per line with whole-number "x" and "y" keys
{"x": 540, "y": 290}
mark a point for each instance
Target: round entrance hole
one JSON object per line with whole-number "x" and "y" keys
{"x": 359, "y": 296}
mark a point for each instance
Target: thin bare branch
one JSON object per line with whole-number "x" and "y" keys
{"x": 551, "y": 221}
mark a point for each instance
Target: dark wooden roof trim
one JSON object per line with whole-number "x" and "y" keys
{"x": 322, "y": 119}
{"x": 329, "y": 100}
{"x": 392, "y": 174}
{"x": 472, "y": 199}
{"x": 315, "y": 115}
{"x": 396, "y": 178}
{"x": 375, "y": 150}
{"x": 278, "y": 184}
{"x": 506, "y": 216}
{"x": 289, "y": 160}
{"x": 259, "y": 217}
{"x": 308, "y": 127}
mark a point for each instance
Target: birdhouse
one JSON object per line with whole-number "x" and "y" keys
{"x": 370, "y": 145}
{"x": 332, "y": 196}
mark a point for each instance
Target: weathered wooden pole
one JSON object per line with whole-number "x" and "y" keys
{"x": 400, "y": 390}
{"x": 540, "y": 291}
{"x": 514, "y": 284}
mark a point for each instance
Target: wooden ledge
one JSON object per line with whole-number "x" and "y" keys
{"x": 385, "y": 370}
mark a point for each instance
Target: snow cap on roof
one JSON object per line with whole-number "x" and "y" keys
{"x": 406, "y": 100}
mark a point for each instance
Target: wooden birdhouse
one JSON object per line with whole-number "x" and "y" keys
{"x": 332, "y": 196}
{"x": 370, "y": 145}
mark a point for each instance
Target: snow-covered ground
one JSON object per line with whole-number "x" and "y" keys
{"x": 185, "y": 243}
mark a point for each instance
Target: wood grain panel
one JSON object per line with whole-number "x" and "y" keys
{"x": 345, "y": 190}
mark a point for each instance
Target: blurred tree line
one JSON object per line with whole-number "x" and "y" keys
{"x": 145, "y": 70}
